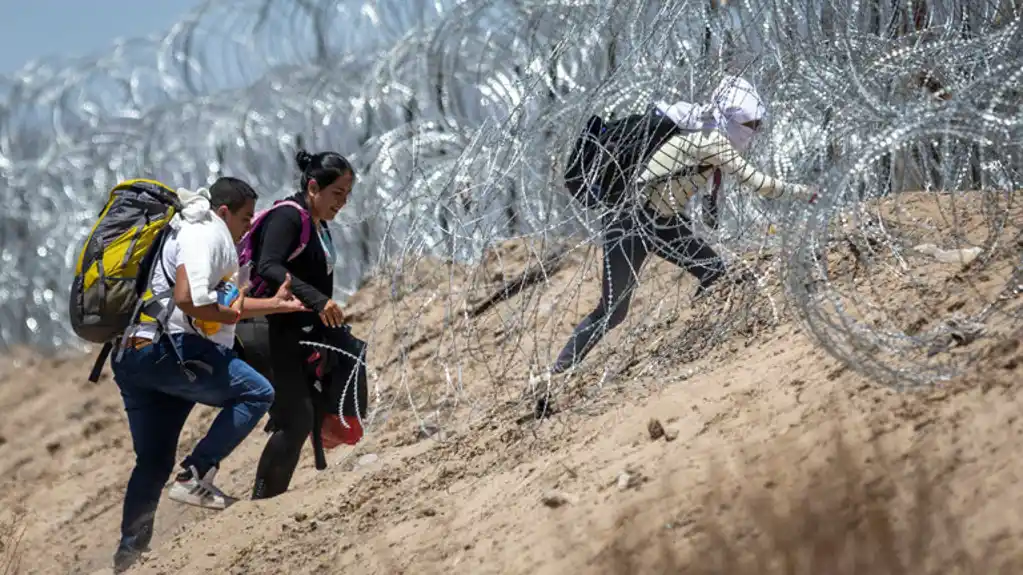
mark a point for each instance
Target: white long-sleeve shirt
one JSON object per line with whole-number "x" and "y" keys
{"x": 687, "y": 161}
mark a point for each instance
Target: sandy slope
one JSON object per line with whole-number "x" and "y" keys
{"x": 471, "y": 495}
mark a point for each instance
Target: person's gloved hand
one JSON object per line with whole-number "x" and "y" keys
{"x": 814, "y": 192}
{"x": 809, "y": 194}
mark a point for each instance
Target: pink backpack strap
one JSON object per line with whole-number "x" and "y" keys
{"x": 303, "y": 238}
{"x": 245, "y": 244}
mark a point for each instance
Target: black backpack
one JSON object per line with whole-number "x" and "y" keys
{"x": 338, "y": 383}
{"x": 607, "y": 157}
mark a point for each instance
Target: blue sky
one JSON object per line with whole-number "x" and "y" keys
{"x": 32, "y": 29}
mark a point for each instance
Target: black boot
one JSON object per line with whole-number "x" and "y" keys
{"x": 131, "y": 547}
{"x": 708, "y": 279}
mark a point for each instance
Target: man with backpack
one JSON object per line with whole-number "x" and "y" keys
{"x": 163, "y": 368}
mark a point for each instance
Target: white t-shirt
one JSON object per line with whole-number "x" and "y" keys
{"x": 211, "y": 261}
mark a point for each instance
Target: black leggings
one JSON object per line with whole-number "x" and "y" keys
{"x": 291, "y": 415}
{"x": 629, "y": 237}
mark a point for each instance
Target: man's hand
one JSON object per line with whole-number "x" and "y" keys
{"x": 285, "y": 301}
{"x": 284, "y": 292}
{"x": 332, "y": 315}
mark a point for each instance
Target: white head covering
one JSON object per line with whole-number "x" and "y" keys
{"x": 195, "y": 206}
{"x": 733, "y": 102}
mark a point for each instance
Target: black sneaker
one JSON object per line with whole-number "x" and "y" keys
{"x": 706, "y": 284}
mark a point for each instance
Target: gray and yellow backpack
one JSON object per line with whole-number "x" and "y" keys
{"x": 115, "y": 265}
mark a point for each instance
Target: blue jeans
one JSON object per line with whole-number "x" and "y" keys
{"x": 158, "y": 398}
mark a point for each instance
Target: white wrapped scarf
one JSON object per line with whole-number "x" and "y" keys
{"x": 733, "y": 102}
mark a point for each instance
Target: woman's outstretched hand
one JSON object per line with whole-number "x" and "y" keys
{"x": 332, "y": 316}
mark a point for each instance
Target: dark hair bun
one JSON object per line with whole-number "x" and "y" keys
{"x": 303, "y": 159}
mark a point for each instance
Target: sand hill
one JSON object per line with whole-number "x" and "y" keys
{"x": 670, "y": 451}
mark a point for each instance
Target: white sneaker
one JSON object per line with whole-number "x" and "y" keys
{"x": 191, "y": 489}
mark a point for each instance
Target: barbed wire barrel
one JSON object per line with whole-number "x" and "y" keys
{"x": 460, "y": 118}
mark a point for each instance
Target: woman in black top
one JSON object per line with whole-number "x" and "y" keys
{"x": 326, "y": 181}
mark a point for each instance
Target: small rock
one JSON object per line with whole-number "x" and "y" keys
{"x": 555, "y": 499}
{"x": 628, "y": 480}
{"x": 368, "y": 459}
{"x": 3, "y": 440}
{"x": 426, "y": 431}
{"x": 655, "y": 429}
{"x": 300, "y": 517}
{"x": 53, "y": 447}
{"x": 670, "y": 434}
{"x": 428, "y": 512}
{"x": 954, "y": 256}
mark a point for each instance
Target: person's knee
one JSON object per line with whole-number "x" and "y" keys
{"x": 302, "y": 422}
{"x": 260, "y": 392}
{"x": 256, "y": 388}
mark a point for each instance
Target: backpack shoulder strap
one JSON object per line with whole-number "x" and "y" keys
{"x": 303, "y": 239}
{"x": 152, "y": 305}
{"x": 245, "y": 244}
{"x": 101, "y": 358}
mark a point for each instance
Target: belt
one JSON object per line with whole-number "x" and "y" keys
{"x": 137, "y": 343}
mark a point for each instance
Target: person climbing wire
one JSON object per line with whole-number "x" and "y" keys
{"x": 293, "y": 239}
{"x": 198, "y": 264}
{"x": 685, "y": 145}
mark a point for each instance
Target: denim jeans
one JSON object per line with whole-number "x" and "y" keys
{"x": 158, "y": 398}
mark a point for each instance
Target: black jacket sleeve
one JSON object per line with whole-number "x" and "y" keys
{"x": 281, "y": 232}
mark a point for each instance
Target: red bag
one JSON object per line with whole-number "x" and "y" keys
{"x": 334, "y": 433}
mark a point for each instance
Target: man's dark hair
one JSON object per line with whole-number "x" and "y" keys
{"x": 231, "y": 192}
